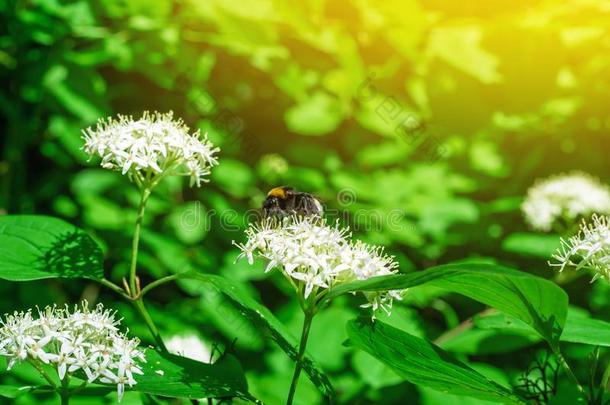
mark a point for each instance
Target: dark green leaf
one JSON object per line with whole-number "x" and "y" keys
{"x": 179, "y": 377}
{"x": 266, "y": 321}
{"x": 422, "y": 363}
{"x": 538, "y": 302}
{"x": 37, "y": 247}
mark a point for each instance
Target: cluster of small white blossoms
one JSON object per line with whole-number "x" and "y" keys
{"x": 565, "y": 197}
{"x": 155, "y": 144}
{"x": 589, "y": 249}
{"x": 315, "y": 255}
{"x": 85, "y": 343}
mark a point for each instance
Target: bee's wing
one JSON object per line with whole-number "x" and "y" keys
{"x": 318, "y": 205}
{"x": 308, "y": 204}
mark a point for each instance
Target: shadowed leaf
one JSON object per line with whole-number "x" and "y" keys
{"x": 422, "y": 363}
{"x": 37, "y": 247}
{"x": 179, "y": 377}
{"x": 259, "y": 315}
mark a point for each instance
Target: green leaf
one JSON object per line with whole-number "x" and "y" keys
{"x": 579, "y": 328}
{"x": 56, "y": 82}
{"x": 234, "y": 177}
{"x": 265, "y": 321}
{"x": 37, "y": 247}
{"x": 422, "y": 363}
{"x": 531, "y": 244}
{"x": 315, "y": 115}
{"x": 190, "y": 222}
{"x": 174, "y": 376}
{"x": 483, "y": 342}
{"x": 582, "y": 329}
{"x": 10, "y": 391}
{"x": 460, "y": 47}
{"x": 485, "y": 157}
{"x": 538, "y": 302}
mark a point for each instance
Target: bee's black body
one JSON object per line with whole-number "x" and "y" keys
{"x": 286, "y": 201}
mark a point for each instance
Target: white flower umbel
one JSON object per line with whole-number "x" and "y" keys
{"x": 153, "y": 146}
{"x": 83, "y": 342}
{"x": 590, "y": 249}
{"x": 316, "y": 257}
{"x": 565, "y": 197}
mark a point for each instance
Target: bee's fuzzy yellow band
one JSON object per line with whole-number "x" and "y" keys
{"x": 277, "y": 192}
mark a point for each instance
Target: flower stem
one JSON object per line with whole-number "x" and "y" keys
{"x": 158, "y": 282}
{"x": 299, "y": 360}
{"x": 133, "y": 282}
{"x": 64, "y": 393}
{"x": 571, "y": 375}
{"x": 135, "y": 243}
{"x": 139, "y": 304}
{"x": 114, "y": 287}
{"x": 43, "y": 373}
{"x": 606, "y": 379}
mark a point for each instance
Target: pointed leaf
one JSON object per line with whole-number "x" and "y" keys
{"x": 539, "y": 303}
{"x": 582, "y": 329}
{"x": 10, "y": 391}
{"x": 579, "y": 328}
{"x": 422, "y": 363}
{"x": 266, "y": 321}
{"x": 180, "y": 377}
{"x": 36, "y": 247}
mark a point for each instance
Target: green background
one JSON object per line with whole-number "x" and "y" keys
{"x": 419, "y": 124}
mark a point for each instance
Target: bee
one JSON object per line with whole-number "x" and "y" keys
{"x": 285, "y": 201}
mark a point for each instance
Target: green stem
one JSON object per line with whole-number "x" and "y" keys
{"x": 139, "y": 304}
{"x": 299, "y": 360}
{"x": 114, "y": 287}
{"x": 462, "y": 327}
{"x": 64, "y": 393}
{"x": 133, "y": 286}
{"x": 606, "y": 379}
{"x": 43, "y": 373}
{"x": 135, "y": 243}
{"x": 571, "y": 375}
{"x": 79, "y": 388}
{"x": 158, "y": 282}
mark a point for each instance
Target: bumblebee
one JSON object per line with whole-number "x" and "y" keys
{"x": 285, "y": 201}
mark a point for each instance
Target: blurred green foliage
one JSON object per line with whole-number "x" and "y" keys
{"x": 420, "y": 124}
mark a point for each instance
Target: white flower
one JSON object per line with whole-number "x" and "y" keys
{"x": 590, "y": 249}
{"x": 315, "y": 256}
{"x": 151, "y": 147}
{"x": 191, "y": 346}
{"x": 83, "y": 340}
{"x": 565, "y": 197}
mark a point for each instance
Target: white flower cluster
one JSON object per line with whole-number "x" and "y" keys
{"x": 565, "y": 197}
{"x": 315, "y": 256}
{"x": 590, "y": 249}
{"x": 154, "y": 145}
{"x": 83, "y": 341}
